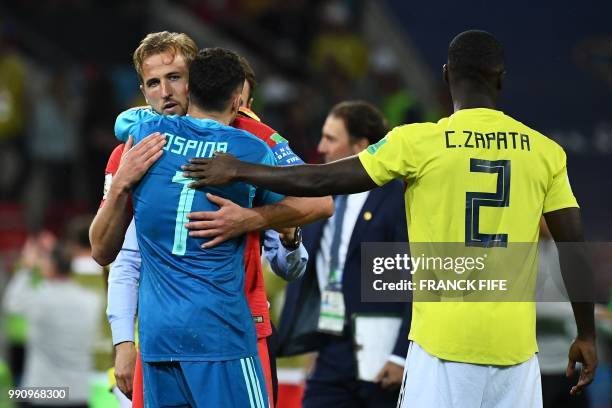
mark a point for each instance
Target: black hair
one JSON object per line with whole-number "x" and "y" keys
{"x": 62, "y": 259}
{"x": 361, "y": 119}
{"x": 77, "y": 231}
{"x": 214, "y": 75}
{"x": 476, "y": 55}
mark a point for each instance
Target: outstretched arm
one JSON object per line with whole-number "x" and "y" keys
{"x": 565, "y": 226}
{"x": 232, "y": 220}
{"x": 344, "y": 176}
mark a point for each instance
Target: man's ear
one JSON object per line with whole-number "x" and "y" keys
{"x": 501, "y": 78}
{"x": 445, "y": 74}
{"x": 236, "y": 102}
{"x": 143, "y": 94}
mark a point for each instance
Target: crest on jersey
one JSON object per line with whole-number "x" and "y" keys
{"x": 373, "y": 148}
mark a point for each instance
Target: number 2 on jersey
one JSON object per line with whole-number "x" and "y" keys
{"x": 184, "y": 208}
{"x": 475, "y": 200}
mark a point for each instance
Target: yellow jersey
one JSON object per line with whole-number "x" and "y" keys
{"x": 483, "y": 179}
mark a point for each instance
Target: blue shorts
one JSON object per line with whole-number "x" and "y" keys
{"x": 235, "y": 383}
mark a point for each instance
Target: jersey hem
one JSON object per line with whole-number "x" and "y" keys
{"x": 480, "y": 361}
{"x": 152, "y": 358}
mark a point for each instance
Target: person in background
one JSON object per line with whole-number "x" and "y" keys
{"x": 52, "y": 143}
{"x": 88, "y": 274}
{"x": 334, "y": 268}
{"x": 398, "y": 102}
{"x": 62, "y": 320}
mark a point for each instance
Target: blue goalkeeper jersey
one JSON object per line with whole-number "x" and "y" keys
{"x": 192, "y": 305}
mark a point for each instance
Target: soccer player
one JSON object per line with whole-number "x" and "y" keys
{"x": 480, "y": 178}
{"x": 198, "y": 343}
{"x": 162, "y": 61}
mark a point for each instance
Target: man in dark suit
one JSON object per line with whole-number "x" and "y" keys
{"x": 321, "y": 308}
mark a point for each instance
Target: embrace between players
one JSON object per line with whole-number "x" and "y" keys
{"x": 197, "y": 340}
{"x": 162, "y": 62}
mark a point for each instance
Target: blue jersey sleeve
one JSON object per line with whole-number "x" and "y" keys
{"x": 263, "y": 197}
{"x": 127, "y": 120}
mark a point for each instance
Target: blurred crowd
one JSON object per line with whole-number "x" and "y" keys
{"x": 60, "y": 94}
{"x": 57, "y": 116}
{"x": 55, "y": 323}
{"x": 57, "y": 110}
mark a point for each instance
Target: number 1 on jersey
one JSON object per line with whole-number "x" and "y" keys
{"x": 184, "y": 208}
{"x": 475, "y": 200}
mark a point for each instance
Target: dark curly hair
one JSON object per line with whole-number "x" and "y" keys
{"x": 361, "y": 119}
{"x": 214, "y": 75}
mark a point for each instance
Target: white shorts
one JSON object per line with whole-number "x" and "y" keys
{"x": 431, "y": 382}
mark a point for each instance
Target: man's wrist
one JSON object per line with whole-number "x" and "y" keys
{"x": 255, "y": 220}
{"x": 292, "y": 242}
{"x": 119, "y": 188}
{"x": 589, "y": 336}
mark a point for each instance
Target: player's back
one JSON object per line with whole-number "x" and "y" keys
{"x": 480, "y": 180}
{"x": 191, "y": 299}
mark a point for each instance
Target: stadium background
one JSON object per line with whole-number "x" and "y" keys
{"x": 65, "y": 73}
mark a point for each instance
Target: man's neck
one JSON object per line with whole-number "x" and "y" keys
{"x": 222, "y": 117}
{"x": 465, "y": 97}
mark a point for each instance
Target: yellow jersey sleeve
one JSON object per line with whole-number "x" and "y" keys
{"x": 559, "y": 194}
{"x": 390, "y": 158}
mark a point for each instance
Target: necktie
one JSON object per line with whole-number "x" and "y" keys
{"x": 340, "y": 209}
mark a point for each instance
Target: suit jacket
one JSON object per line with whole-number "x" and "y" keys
{"x": 298, "y": 324}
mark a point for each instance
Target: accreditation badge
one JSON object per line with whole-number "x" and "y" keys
{"x": 331, "y": 316}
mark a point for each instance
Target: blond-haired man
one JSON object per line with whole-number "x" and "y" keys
{"x": 162, "y": 62}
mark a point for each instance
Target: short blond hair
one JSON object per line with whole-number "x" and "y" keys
{"x": 164, "y": 41}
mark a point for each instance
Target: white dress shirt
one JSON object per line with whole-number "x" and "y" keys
{"x": 354, "y": 205}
